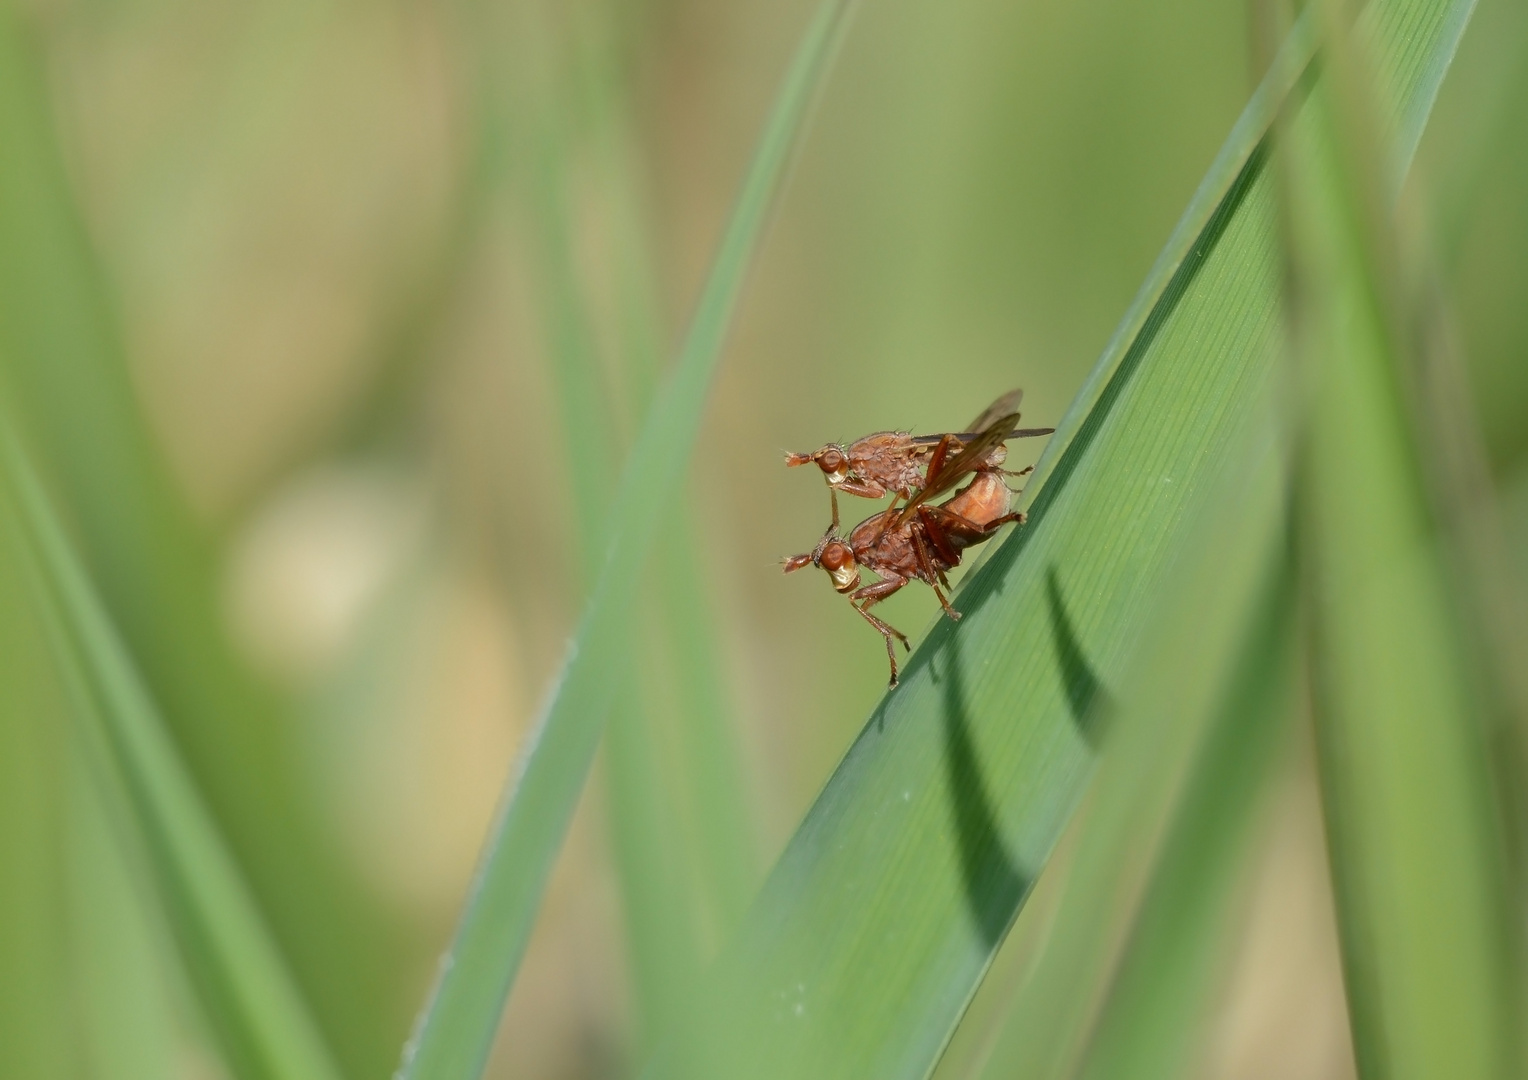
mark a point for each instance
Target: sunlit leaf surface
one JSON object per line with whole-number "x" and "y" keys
{"x": 881, "y": 917}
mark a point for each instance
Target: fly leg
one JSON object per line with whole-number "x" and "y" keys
{"x": 998, "y": 522}
{"x": 1025, "y": 471}
{"x": 948, "y": 521}
{"x": 936, "y": 459}
{"x": 861, "y": 599}
{"x": 931, "y": 574}
{"x": 864, "y": 489}
{"x": 933, "y": 529}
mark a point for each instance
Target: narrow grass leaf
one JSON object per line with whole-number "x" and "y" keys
{"x": 66, "y": 374}
{"x": 882, "y": 915}
{"x": 656, "y": 873}
{"x": 717, "y": 809}
{"x": 1416, "y": 852}
{"x": 37, "y": 1022}
{"x": 678, "y": 823}
{"x": 262, "y": 1023}
{"x": 457, "y": 1027}
{"x": 131, "y": 994}
{"x": 705, "y": 767}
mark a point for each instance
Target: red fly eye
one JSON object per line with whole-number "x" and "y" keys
{"x": 830, "y": 461}
{"x": 836, "y": 557}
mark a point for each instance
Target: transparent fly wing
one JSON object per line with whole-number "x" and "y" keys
{"x": 1008, "y": 403}
{"x": 963, "y": 437}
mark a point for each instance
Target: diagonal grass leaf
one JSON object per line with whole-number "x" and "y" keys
{"x": 457, "y": 1027}
{"x": 1172, "y": 964}
{"x": 262, "y": 1022}
{"x": 884, "y": 911}
{"x": 156, "y": 569}
{"x": 38, "y": 1028}
{"x": 1416, "y": 852}
{"x": 1173, "y": 797}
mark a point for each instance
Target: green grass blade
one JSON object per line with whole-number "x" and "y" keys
{"x": 883, "y": 913}
{"x": 1415, "y": 847}
{"x": 715, "y": 787}
{"x": 1170, "y": 802}
{"x": 704, "y": 765}
{"x": 1195, "y": 235}
{"x": 662, "y": 916}
{"x": 457, "y": 1028}
{"x": 131, "y": 990}
{"x": 263, "y": 1025}
{"x": 37, "y": 1021}
{"x": 65, "y": 373}
{"x": 678, "y": 821}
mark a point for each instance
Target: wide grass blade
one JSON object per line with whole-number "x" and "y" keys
{"x": 262, "y": 1023}
{"x": 1417, "y": 853}
{"x": 882, "y": 916}
{"x": 457, "y": 1028}
{"x": 1163, "y": 989}
{"x": 1197, "y": 718}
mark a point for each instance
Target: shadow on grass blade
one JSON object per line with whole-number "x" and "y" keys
{"x": 1197, "y": 724}
{"x": 876, "y": 926}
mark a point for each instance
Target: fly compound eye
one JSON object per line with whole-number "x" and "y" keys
{"x": 838, "y": 561}
{"x": 834, "y": 464}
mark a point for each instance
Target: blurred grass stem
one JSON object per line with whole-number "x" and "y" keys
{"x": 260, "y": 1017}
{"x": 1415, "y": 846}
{"x": 456, "y": 1030}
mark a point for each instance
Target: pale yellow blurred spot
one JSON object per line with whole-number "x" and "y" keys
{"x": 427, "y": 766}
{"x": 310, "y": 563}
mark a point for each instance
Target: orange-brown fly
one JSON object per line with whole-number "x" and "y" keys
{"x": 898, "y": 463}
{"x": 919, "y": 542}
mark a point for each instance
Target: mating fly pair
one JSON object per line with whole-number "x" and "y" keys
{"x": 919, "y": 541}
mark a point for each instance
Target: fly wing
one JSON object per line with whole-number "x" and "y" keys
{"x": 952, "y": 470}
{"x": 1008, "y": 403}
{"x": 967, "y": 436}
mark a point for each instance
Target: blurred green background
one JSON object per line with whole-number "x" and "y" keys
{"x": 338, "y": 256}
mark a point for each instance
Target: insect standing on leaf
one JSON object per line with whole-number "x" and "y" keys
{"x": 919, "y": 541}
{"x": 897, "y": 463}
